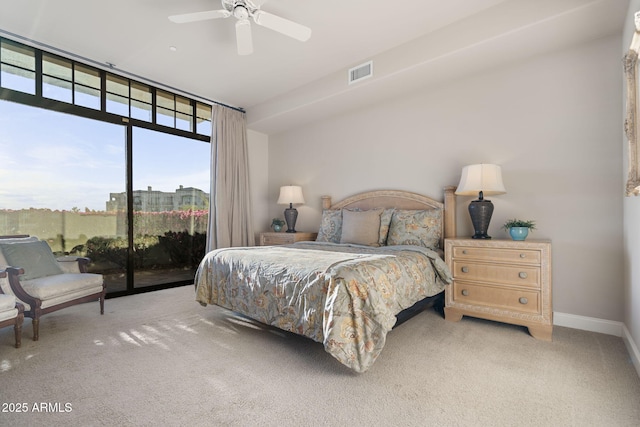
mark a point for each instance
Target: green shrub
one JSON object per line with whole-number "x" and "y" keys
{"x": 185, "y": 250}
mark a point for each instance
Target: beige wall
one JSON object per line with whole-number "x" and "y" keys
{"x": 553, "y": 123}
{"x": 631, "y": 228}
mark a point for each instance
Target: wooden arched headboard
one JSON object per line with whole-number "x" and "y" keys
{"x": 400, "y": 199}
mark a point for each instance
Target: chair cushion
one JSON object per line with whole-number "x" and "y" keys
{"x": 35, "y": 258}
{"x": 8, "y": 308}
{"x": 3, "y": 261}
{"x": 6, "y": 288}
{"x": 45, "y": 288}
{"x": 7, "y": 302}
{"x": 9, "y": 314}
{"x": 96, "y": 292}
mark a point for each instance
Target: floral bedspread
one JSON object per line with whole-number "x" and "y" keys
{"x": 344, "y": 296}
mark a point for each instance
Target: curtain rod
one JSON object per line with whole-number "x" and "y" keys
{"x": 111, "y": 67}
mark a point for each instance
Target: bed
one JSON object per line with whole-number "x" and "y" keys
{"x": 378, "y": 255}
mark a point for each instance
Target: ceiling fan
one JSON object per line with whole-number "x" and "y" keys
{"x": 242, "y": 10}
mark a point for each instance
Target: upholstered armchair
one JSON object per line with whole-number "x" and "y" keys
{"x": 11, "y": 313}
{"x": 43, "y": 283}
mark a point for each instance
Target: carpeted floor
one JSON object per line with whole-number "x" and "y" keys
{"x": 160, "y": 359}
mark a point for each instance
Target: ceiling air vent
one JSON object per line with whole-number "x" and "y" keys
{"x": 361, "y": 72}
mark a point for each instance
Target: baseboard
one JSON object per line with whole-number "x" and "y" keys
{"x": 591, "y": 324}
{"x": 632, "y": 348}
{"x": 602, "y": 326}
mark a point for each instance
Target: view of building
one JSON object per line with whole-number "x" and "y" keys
{"x": 150, "y": 200}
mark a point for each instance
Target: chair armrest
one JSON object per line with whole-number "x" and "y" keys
{"x": 74, "y": 264}
{"x": 16, "y": 287}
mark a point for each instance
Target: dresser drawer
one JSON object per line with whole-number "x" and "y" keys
{"x": 521, "y": 300}
{"x": 276, "y": 239}
{"x": 520, "y": 275}
{"x": 272, "y": 239}
{"x": 520, "y": 256}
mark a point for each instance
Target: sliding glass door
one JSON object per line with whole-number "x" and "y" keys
{"x": 170, "y": 206}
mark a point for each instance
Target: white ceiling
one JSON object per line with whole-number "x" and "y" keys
{"x": 286, "y": 82}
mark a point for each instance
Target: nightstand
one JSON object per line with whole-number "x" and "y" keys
{"x": 503, "y": 280}
{"x": 270, "y": 238}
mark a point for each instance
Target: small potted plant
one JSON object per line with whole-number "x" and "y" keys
{"x": 519, "y": 229}
{"x": 276, "y": 224}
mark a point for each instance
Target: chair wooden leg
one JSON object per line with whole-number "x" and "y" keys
{"x": 18, "y": 330}
{"x": 36, "y": 328}
{"x": 102, "y": 304}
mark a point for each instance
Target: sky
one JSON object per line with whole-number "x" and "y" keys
{"x": 60, "y": 161}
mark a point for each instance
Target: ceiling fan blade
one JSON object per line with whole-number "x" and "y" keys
{"x": 281, "y": 25}
{"x": 199, "y": 16}
{"x": 243, "y": 37}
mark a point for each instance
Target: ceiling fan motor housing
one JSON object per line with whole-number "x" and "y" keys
{"x": 240, "y": 12}
{"x": 241, "y": 9}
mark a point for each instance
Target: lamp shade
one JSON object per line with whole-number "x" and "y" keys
{"x": 481, "y": 177}
{"x": 291, "y": 194}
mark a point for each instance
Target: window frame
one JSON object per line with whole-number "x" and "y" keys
{"x": 632, "y": 120}
{"x": 37, "y": 99}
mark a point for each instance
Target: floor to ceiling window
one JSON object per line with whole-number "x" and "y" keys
{"x": 57, "y": 173}
{"x": 103, "y": 166}
{"x": 170, "y": 206}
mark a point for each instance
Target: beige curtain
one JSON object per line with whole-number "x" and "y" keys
{"x": 230, "y": 222}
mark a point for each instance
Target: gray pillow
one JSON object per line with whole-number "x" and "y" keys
{"x": 385, "y": 222}
{"x": 416, "y": 227}
{"x": 35, "y": 258}
{"x": 361, "y": 227}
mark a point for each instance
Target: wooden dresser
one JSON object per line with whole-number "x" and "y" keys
{"x": 503, "y": 280}
{"x": 271, "y": 238}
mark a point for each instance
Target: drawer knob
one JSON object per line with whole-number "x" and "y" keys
{"x": 523, "y": 300}
{"x": 465, "y": 292}
{"x": 523, "y": 255}
{"x": 522, "y": 275}
{"x": 464, "y": 252}
{"x": 465, "y": 269}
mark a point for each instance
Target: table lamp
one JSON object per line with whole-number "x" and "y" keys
{"x": 484, "y": 180}
{"x": 290, "y": 194}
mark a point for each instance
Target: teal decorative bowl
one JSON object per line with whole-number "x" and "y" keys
{"x": 519, "y": 233}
